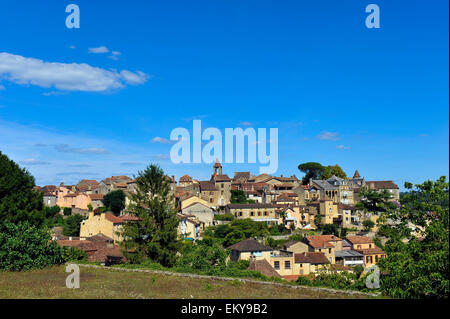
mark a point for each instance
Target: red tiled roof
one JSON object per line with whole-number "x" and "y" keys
{"x": 322, "y": 241}
{"x": 371, "y": 251}
{"x": 359, "y": 240}
{"x": 263, "y": 267}
{"x": 381, "y": 185}
{"x": 96, "y": 196}
{"x": 114, "y": 219}
{"x": 311, "y": 258}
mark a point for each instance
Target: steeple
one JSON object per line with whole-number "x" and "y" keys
{"x": 356, "y": 175}
{"x": 217, "y": 165}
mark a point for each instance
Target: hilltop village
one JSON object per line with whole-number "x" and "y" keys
{"x": 286, "y": 202}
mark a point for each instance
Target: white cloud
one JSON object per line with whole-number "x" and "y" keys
{"x": 134, "y": 78}
{"x": 116, "y": 53}
{"x": 32, "y": 161}
{"x": 342, "y": 147}
{"x": 161, "y": 140}
{"x": 101, "y": 49}
{"x": 246, "y": 123}
{"x": 72, "y": 47}
{"x": 329, "y": 136}
{"x": 64, "y": 148}
{"x": 2, "y": 87}
{"x": 65, "y": 76}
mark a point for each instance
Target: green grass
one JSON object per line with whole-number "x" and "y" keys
{"x": 103, "y": 283}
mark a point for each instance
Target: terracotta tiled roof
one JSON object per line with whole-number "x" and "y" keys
{"x": 96, "y": 196}
{"x": 263, "y": 267}
{"x": 126, "y": 217}
{"x": 359, "y": 240}
{"x": 222, "y": 178}
{"x": 207, "y": 186}
{"x": 114, "y": 219}
{"x": 381, "y": 185}
{"x": 250, "y": 245}
{"x": 242, "y": 175}
{"x": 322, "y": 241}
{"x": 371, "y": 251}
{"x": 347, "y": 207}
{"x": 311, "y": 258}
{"x": 250, "y": 206}
{"x": 185, "y": 178}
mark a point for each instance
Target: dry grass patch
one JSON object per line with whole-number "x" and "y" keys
{"x": 110, "y": 284}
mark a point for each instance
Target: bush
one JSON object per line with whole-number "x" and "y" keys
{"x": 303, "y": 281}
{"x": 24, "y": 247}
{"x": 228, "y": 217}
{"x": 67, "y": 211}
{"x": 72, "y": 225}
{"x": 74, "y": 254}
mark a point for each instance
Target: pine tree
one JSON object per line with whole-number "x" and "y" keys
{"x": 154, "y": 235}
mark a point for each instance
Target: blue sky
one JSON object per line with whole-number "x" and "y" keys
{"x": 375, "y": 100}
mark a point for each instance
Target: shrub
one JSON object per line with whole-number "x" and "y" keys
{"x": 24, "y": 247}
{"x": 74, "y": 254}
{"x": 303, "y": 281}
{"x": 67, "y": 211}
{"x": 228, "y": 217}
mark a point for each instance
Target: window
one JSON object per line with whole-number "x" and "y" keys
{"x": 252, "y": 214}
{"x": 287, "y": 264}
{"x": 266, "y": 214}
{"x": 240, "y": 213}
{"x": 329, "y": 250}
{"x": 259, "y": 213}
{"x": 370, "y": 245}
{"x": 276, "y": 264}
{"x": 257, "y": 253}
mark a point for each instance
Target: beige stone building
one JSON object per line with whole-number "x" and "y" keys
{"x": 257, "y": 212}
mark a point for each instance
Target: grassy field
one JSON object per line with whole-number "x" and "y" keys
{"x": 108, "y": 284}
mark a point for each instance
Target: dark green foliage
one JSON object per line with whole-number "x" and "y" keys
{"x": 303, "y": 281}
{"x": 24, "y": 246}
{"x": 72, "y": 225}
{"x": 330, "y": 229}
{"x": 154, "y": 236}
{"x": 343, "y": 280}
{"x": 67, "y": 211}
{"x": 314, "y": 170}
{"x": 276, "y": 243}
{"x": 420, "y": 267}
{"x": 18, "y": 201}
{"x": 227, "y": 217}
{"x": 203, "y": 258}
{"x": 368, "y": 224}
{"x": 336, "y": 170}
{"x": 238, "y": 230}
{"x": 74, "y": 254}
{"x": 115, "y": 201}
{"x": 238, "y": 197}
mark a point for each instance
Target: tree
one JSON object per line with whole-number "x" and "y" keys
{"x": 336, "y": 170}
{"x": 18, "y": 200}
{"x": 72, "y": 225}
{"x": 417, "y": 263}
{"x": 24, "y": 246}
{"x": 312, "y": 170}
{"x": 315, "y": 170}
{"x": 318, "y": 220}
{"x": 115, "y": 201}
{"x": 154, "y": 235}
{"x": 368, "y": 224}
{"x": 238, "y": 197}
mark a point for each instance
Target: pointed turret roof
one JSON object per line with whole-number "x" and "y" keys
{"x": 356, "y": 175}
